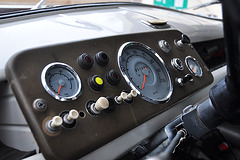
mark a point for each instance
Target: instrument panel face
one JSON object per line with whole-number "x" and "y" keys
{"x": 145, "y": 71}
{"x": 63, "y": 82}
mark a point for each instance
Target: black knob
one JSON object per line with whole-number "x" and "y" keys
{"x": 102, "y": 58}
{"x": 112, "y": 105}
{"x": 113, "y": 77}
{"x": 96, "y": 83}
{"x": 85, "y": 61}
{"x": 187, "y": 78}
{"x": 185, "y": 39}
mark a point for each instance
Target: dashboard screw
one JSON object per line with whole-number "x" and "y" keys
{"x": 40, "y": 105}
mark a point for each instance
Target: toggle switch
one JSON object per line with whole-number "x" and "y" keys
{"x": 126, "y": 97}
{"x": 54, "y": 124}
{"x": 131, "y": 95}
{"x": 184, "y": 40}
{"x": 119, "y": 99}
{"x": 101, "y": 104}
{"x": 71, "y": 116}
{"x": 95, "y": 108}
{"x": 182, "y": 81}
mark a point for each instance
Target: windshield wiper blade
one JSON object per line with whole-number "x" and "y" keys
{"x": 38, "y": 5}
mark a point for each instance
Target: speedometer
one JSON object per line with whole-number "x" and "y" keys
{"x": 145, "y": 71}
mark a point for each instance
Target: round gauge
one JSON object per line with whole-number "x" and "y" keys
{"x": 145, "y": 71}
{"x": 193, "y": 66}
{"x": 61, "y": 81}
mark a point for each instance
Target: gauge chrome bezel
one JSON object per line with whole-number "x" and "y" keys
{"x": 186, "y": 62}
{"x": 162, "y": 100}
{"x": 53, "y": 94}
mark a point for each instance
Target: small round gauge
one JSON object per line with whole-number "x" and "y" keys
{"x": 145, "y": 71}
{"x": 61, "y": 81}
{"x": 193, "y": 66}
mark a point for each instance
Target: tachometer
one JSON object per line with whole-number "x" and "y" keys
{"x": 61, "y": 81}
{"x": 145, "y": 71}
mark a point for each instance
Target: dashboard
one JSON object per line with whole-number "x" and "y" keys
{"x": 52, "y": 81}
{"x": 84, "y": 88}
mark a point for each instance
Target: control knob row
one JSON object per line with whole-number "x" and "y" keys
{"x": 54, "y": 124}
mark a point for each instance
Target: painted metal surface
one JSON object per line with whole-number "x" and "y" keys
{"x": 131, "y": 138}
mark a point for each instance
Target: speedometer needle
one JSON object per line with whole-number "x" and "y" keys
{"x": 59, "y": 89}
{"x": 144, "y": 78}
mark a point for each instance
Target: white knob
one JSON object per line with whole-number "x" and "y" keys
{"x": 56, "y": 121}
{"x": 101, "y": 104}
{"x": 73, "y": 114}
{"x": 133, "y": 93}
{"x": 123, "y": 96}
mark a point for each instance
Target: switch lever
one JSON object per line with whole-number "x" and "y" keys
{"x": 54, "y": 124}
{"x": 185, "y": 40}
{"x": 182, "y": 81}
{"x": 101, "y": 104}
{"x": 132, "y": 94}
{"x": 119, "y": 99}
{"x": 71, "y": 116}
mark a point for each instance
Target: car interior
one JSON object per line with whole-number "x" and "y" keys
{"x": 119, "y": 80}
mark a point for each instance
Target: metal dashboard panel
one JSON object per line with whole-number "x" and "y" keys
{"x": 24, "y": 76}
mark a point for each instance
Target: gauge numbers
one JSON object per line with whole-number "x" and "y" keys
{"x": 61, "y": 81}
{"x": 145, "y": 72}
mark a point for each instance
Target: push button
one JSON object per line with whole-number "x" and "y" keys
{"x": 85, "y": 61}
{"x": 96, "y": 83}
{"x": 113, "y": 77}
{"x": 102, "y": 58}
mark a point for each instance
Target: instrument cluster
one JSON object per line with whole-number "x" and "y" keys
{"x": 76, "y": 97}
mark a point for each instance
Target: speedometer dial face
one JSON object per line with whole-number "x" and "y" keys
{"x": 145, "y": 72}
{"x": 61, "y": 81}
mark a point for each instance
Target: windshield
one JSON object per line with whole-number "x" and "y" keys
{"x": 209, "y": 8}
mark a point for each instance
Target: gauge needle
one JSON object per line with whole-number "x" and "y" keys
{"x": 59, "y": 89}
{"x": 144, "y": 78}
